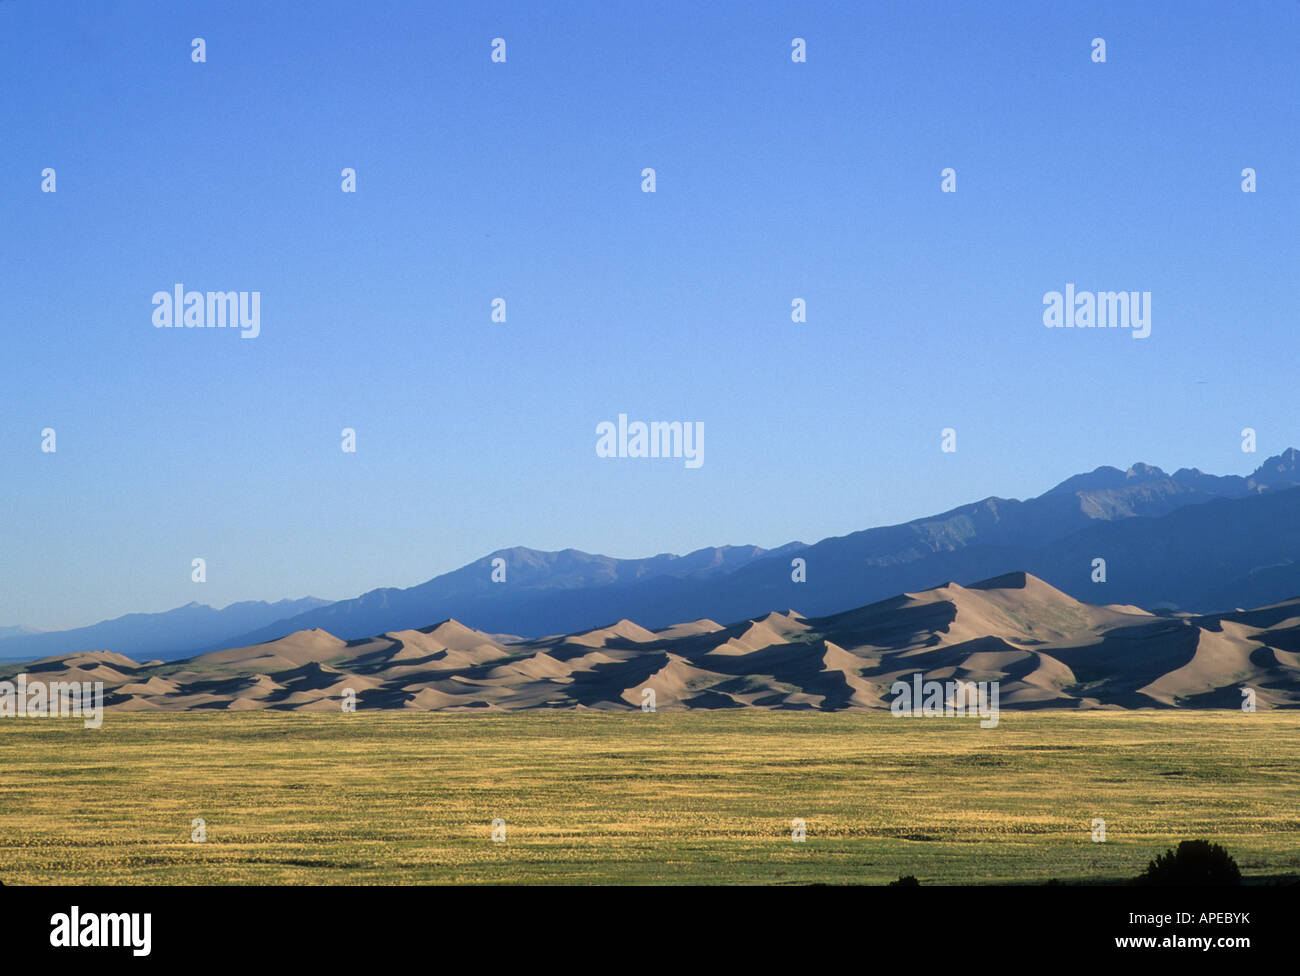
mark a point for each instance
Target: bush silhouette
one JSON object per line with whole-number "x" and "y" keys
{"x": 1195, "y": 863}
{"x": 905, "y": 881}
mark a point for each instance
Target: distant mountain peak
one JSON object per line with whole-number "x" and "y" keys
{"x": 1107, "y": 478}
{"x": 1141, "y": 471}
{"x": 1099, "y": 479}
{"x": 1281, "y": 469}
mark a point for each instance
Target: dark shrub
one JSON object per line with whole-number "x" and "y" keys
{"x": 905, "y": 881}
{"x": 1195, "y": 863}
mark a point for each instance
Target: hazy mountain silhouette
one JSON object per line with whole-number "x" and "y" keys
{"x": 1188, "y": 540}
{"x": 578, "y": 582}
{"x": 18, "y": 631}
{"x": 548, "y": 593}
{"x": 146, "y": 635}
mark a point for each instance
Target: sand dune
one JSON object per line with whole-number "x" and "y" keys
{"x": 692, "y": 628}
{"x": 1044, "y": 648}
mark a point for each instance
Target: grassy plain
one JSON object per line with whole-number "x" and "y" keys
{"x": 685, "y": 797}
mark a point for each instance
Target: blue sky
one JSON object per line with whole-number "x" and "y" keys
{"x": 521, "y": 180}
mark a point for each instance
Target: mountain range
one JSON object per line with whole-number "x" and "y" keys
{"x": 1044, "y": 649}
{"x": 147, "y": 635}
{"x": 1189, "y": 542}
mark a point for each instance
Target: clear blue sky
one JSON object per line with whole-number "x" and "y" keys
{"x": 522, "y": 180}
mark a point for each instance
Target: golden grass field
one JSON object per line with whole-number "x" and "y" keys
{"x": 685, "y": 797}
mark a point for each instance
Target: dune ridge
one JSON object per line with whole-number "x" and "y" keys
{"x": 1045, "y": 648}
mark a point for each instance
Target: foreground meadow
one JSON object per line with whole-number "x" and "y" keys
{"x": 686, "y": 797}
